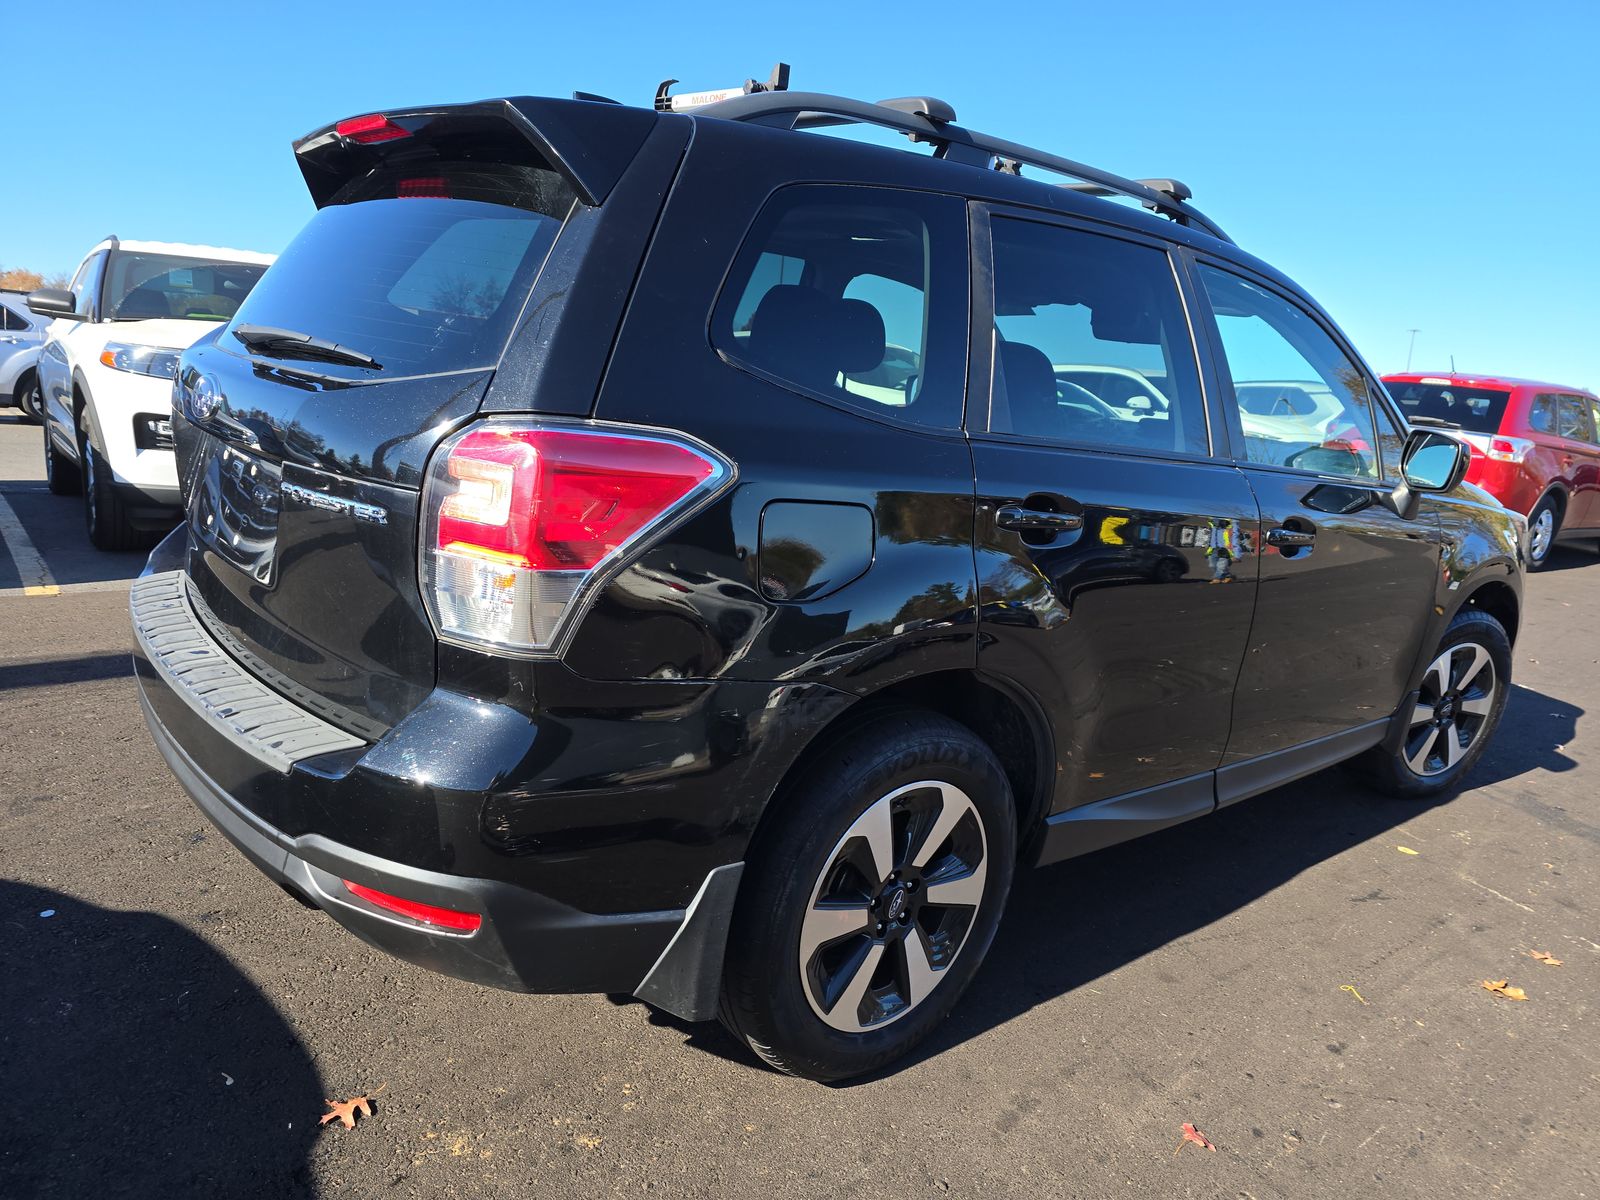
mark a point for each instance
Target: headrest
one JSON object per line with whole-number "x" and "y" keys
{"x": 789, "y": 312}
{"x": 1027, "y": 371}
{"x": 863, "y": 341}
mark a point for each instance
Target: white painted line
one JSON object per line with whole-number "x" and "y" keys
{"x": 36, "y": 577}
{"x": 69, "y": 589}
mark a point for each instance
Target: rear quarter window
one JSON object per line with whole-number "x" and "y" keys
{"x": 856, "y": 296}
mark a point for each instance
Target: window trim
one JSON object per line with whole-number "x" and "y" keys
{"x": 1207, "y": 323}
{"x": 883, "y": 414}
{"x": 980, "y": 380}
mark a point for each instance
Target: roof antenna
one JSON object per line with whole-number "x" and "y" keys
{"x": 778, "y": 81}
{"x": 1452, "y": 364}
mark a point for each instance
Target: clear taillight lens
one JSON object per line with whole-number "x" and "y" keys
{"x": 522, "y": 520}
{"x": 1508, "y": 449}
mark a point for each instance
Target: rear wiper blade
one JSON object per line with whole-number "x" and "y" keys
{"x": 290, "y": 343}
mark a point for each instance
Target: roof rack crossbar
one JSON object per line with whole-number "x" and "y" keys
{"x": 924, "y": 119}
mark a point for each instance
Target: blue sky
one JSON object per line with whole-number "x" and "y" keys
{"x": 1410, "y": 164}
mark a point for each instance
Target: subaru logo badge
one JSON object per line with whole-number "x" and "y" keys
{"x": 204, "y": 398}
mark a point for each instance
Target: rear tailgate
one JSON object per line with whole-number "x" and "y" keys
{"x": 443, "y": 237}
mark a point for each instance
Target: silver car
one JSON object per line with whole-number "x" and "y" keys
{"x": 21, "y": 334}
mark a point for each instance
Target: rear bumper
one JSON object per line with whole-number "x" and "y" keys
{"x": 582, "y": 837}
{"x": 527, "y": 942}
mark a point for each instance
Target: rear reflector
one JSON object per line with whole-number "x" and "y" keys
{"x": 444, "y": 918}
{"x": 521, "y": 520}
{"x": 374, "y": 127}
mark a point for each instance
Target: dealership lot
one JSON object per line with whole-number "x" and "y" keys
{"x": 1297, "y": 976}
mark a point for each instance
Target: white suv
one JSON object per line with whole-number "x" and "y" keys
{"x": 105, "y": 373}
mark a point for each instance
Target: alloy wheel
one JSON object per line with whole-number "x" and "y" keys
{"x": 1541, "y": 534}
{"x": 1453, "y": 709}
{"x": 893, "y": 906}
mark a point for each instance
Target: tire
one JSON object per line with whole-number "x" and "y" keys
{"x": 63, "y": 478}
{"x": 1542, "y": 538}
{"x": 105, "y": 516}
{"x": 950, "y": 837}
{"x": 1478, "y": 655}
{"x": 26, "y": 396}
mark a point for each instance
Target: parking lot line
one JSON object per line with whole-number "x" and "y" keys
{"x": 30, "y": 564}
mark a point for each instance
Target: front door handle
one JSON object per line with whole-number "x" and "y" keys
{"x": 1025, "y": 520}
{"x": 1290, "y": 537}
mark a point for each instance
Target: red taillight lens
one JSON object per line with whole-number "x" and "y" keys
{"x": 375, "y": 127}
{"x": 1509, "y": 449}
{"x": 428, "y": 914}
{"x": 522, "y": 518}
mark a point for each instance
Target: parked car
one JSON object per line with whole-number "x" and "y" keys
{"x": 106, "y": 369}
{"x": 555, "y": 609}
{"x": 1535, "y": 447}
{"x": 20, "y": 335}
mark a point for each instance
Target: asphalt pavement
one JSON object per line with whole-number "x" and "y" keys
{"x": 1298, "y": 977}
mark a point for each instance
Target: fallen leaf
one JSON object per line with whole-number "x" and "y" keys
{"x": 1191, "y": 1134}
{"x": 1346, "y": 987}
{"x": 1406, "y": 850}
{"x": 344, "y": 1111}
{"x": 1500, "y": 987}
{"x": 1549, "y": 960}
{"x": 588, "y": 1141}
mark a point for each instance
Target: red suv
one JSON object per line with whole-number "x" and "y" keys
{"x": 1535, "y": 446}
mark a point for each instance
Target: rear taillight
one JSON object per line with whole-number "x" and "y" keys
{"x": 1508, "y": 449}
{"x": 521, "y": 521}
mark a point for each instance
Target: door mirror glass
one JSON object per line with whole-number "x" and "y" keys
{"x": 52, "y": 303}
{"x": 1433, "y": 461}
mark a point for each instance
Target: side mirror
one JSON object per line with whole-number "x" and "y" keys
{"x": 1431, "y": 462}
{"x": 54, "y": 303}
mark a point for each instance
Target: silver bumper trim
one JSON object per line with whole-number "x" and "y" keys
{"x": 233, "y": 702}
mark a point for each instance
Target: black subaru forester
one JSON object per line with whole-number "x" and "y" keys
{"x": 680, "y": 554}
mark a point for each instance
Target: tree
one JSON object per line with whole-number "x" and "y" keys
{"x": 20, "y": 279}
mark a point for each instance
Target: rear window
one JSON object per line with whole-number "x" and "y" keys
{"x": 1476, "y": 410}
{"x": 426, "y": 274}
{"x": 140, "y": 287}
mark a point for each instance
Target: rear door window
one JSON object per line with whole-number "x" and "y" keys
{"x": 1572, "y": 420}
{"x": 857, "y": 296}
{"x": 424, "y": 274}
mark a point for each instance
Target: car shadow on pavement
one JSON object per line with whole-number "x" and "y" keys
{"x": 1071, "y": 923}
{"x": 135, "y": 1060}
{"x": 1571, "y": 557}
{"x": 48, "y": 672}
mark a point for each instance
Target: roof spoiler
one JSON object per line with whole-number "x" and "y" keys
{"x": 590, "y": 143}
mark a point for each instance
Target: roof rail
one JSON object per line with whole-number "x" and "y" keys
{"x": 925, "y": 119}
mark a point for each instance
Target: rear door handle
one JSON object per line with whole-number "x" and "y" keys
{"x": 1290, "y": 537}
{"x": 1014, "y": 516}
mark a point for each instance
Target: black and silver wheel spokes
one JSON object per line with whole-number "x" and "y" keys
{"x": 893, "y": 906}
{"x": 1453, "y": 708}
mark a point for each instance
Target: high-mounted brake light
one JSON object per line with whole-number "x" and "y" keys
{"x": 428, "y": 914}
{"x": 375, "y": 127}
{"x": 423, "y": 187}
{"x": 1509, "y": 449}
{"x": 522, "y": 520}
